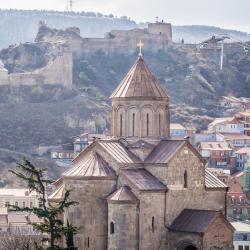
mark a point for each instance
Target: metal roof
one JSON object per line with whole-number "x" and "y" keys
{"x": 143, "y": 180}
{"x": 123, "y": 195}
{"x": 57, "y": 194}
{"x": 215, "y": 146}
{"x": 194, "y": 221}
{"x": 118, "y": 151}
{"x": 91, "y": 165}
{"x": 211, "y": 181}
{"x": 164, "y": 151}
{"x": 139, "y": 82}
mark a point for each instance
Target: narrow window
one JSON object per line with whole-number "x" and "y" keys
{"x": 153, "y": 224}
{"x": 159, "y": 124}
{"x": 16, "y": 203}
{"x": 185, "y": 179}
{"x": 112, "y": 228}
{"x": 120, "y": 124}
{"x": 31, "y": 204}
{"x": 23, "y": 203}
{"x": 147, "y": 124}
{"x": 88, "y": 242}
{"x": 133, "y": 125}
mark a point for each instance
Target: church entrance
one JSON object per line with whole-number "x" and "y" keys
{"x": 187, "y": 246}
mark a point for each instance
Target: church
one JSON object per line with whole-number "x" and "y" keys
{"x": 142, "y": 190}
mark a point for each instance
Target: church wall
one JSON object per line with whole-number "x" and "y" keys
{"x": 91, "y": 214}
{"x": 125, "y": 222}
{"x": 219, "y": 235}
{"x": 151, "y": 217}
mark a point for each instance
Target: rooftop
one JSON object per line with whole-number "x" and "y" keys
{"x": 222, "y": 120}
{"x": 91, "y": 165}
{"x": 216, "y": 146}
{"x": 143, "y": 180}
{"x": 139, "y": 82}
{"x": 243, "y": 151}
{"x": 194, "y": 221}
{"x": 211, "y": 181}
{"x": 123, "y": 195}
{"x": 241, "y": 226}
{"x": 177, "y": 126}
{"x": 17, "y": 192}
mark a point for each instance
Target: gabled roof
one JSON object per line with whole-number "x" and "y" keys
{"x": 143, "y": 180}
{"x": 139, "y": 82}
{"x": 91, "y": 165}
{"x": 118, "y": 151}
{"x": 123, "y": 195}
{"x": 211, "y": 181}
{"x": 215, "y": 146}
{"x": 166, "y": 149}
{"x": 196, "y": 221}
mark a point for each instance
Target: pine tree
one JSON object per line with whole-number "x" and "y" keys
{"x": 49, "y": 214}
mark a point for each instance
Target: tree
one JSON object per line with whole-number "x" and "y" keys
{"x": 49, "y": 214}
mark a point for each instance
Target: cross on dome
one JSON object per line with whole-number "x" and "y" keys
{"x": 140, "y": 45}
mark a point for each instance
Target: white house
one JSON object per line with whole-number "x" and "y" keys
{"x": 226, "y": 125}
{"x": 177, "y": 130}
{"x": 241, "y": 235}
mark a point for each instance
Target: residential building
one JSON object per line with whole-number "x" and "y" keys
{"x": 226, "y": 125}
{"x": 236, "y": 141}
{"x": 241, "y": 235}
{"x": 177, "y": 131}
{"x": 244, "y": 117}
{"x": 19, "y": 197}
{"x": 217, "y": 154}
{"x": 242, "y": 158}
{"x": 238, "y": 205}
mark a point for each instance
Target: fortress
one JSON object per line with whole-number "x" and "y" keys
{"x": 68, "y": 44}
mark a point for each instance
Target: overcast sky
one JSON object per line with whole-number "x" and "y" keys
{"x": 234, "y": 14}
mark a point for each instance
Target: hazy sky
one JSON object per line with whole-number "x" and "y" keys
{"x": 233, "y": 14}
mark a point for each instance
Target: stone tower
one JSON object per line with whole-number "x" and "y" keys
{"x": 140, "y": 106}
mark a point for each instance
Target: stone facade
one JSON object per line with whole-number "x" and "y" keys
{"x": 132, "y": 189}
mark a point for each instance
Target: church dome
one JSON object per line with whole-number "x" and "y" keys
{"x": 91, "y": 166}
{"x": 139, "y": 82}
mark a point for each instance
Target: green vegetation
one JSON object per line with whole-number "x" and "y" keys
{"x": 49, "y": 213}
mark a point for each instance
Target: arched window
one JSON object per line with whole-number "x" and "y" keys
{"x": 112, "y": 227}
{"x": 147, "y": 124}
{"x": 133, "y": 124}
{"x": 153, "y": 224}
{"x": 185, "y": 179}
{"x": 120, "y": 124}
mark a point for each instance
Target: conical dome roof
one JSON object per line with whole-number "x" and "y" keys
{"x": 139, "y": 82}
{"x": 93, "y": 165}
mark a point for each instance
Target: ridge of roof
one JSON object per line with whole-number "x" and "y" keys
{"x": 122, "y": 195}
{"x": 92, "y": 165}
{"x": 139, "y": 82}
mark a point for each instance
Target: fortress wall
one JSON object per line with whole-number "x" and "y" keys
{"x": 57, "y": 72}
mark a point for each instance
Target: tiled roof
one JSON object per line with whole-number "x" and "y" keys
{"x": 119, "y": 152}
{"x": 194, "y": 221}
{"x": 223, "y": 146}
{"x": 143, "y": 180}
{"x": 164, "y": 151}
{"x": 139, "y": 82}
{"x": 211, "y": 181}
{"x": 122, "y": 195}
{"x": 91, "y": 165}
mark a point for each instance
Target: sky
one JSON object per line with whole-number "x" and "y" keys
{"x": 232, "y": 14}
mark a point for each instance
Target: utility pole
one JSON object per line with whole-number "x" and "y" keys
{"x": 222, "y": 55}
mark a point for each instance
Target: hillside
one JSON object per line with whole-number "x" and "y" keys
{"x": 21, "y": 26}
{"x": 51, "y": 115}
